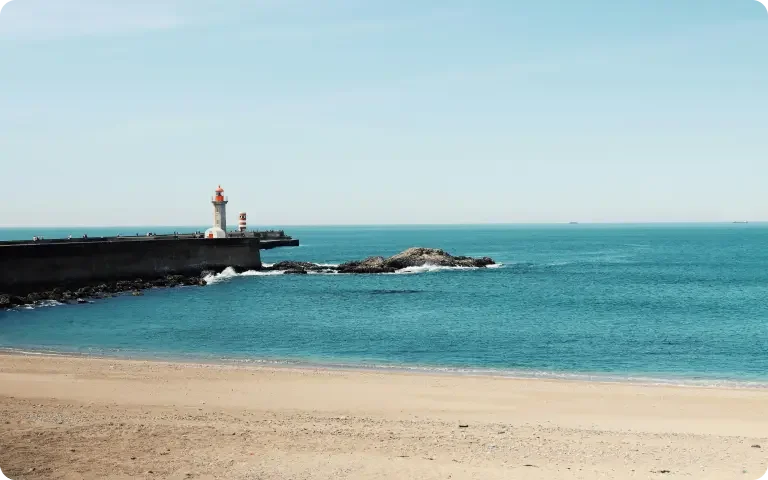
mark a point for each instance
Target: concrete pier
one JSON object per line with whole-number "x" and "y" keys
{"x": 27, "y": 266}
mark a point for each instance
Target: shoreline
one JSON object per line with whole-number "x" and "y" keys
{"x": 84, "y": 417}
{"x": 639, "y": 379}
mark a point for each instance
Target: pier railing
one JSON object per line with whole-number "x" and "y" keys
{"x": 262, "y": 235}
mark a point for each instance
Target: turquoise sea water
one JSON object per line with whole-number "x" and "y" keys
{"x": 671, "y": 302}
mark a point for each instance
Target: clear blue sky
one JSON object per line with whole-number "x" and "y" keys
{"x": 131, "y": 112}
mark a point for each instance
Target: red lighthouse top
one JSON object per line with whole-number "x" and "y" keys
{"x": 219, "y": 194}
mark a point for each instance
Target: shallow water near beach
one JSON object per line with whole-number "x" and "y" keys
{"x": 676, "y": 303}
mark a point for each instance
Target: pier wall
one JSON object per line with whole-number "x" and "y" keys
{"x": 27, "y": 268}
{"x": 279, "y": 242}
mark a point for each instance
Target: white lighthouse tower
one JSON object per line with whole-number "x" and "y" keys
{"x": 219, "y": 229}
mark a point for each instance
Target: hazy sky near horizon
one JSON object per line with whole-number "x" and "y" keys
{"x": 120, "y": 112}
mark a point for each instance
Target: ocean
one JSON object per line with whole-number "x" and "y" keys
{"x": 652, "y": 303}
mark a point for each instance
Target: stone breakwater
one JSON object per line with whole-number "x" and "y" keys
{"x": 102, "y": 290}
{"x": 413, "y": 257}
{"x": 65, "y": 271}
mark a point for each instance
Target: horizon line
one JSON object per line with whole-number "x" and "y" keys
{"x": 300, "y": 225}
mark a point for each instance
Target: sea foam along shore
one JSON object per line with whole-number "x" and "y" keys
{"x": 628, "y": 378}
{"x": 277, "y": 423}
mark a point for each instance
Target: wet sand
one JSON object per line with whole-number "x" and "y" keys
{"x": 72, "y": 418}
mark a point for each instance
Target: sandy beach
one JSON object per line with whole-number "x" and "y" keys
{"x": 72, "y": 418}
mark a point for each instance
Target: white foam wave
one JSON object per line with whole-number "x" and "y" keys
{"x": 46, "y": 353}
{"x": 268, "y": 273}
{"x": 229, "y": 273}
{"x": 41, "y": 304}
{"x": 49, "y": 303}
{"x": 429, "y": 269}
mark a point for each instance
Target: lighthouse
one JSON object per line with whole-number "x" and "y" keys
{"x": 242, "y": 223}
{"x": 219, "y": 229}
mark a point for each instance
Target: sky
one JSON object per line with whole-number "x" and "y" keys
{"x": 131, "y": 112}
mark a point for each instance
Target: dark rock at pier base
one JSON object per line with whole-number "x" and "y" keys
{"x": 413, "y": 257}
{"x": 104, "y": 290}
{"x": 6, "y": 301}
{"x": 207, "y": 273}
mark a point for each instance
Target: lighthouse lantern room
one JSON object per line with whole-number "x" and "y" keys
{"x": 219, "y": 229}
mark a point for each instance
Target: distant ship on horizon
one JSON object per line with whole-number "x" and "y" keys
{"x": 741, "y": 221}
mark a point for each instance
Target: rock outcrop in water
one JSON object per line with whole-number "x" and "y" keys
{"x": 413, "y": 257}
{"x": 298, "y": 268}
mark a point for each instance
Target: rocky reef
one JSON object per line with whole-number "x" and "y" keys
{"x": 413, "y": 257}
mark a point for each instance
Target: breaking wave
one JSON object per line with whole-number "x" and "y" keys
{"x": 229, "y": 273}
{"x": 430, "y": 269}
{"x": 40, "y": 304}
{"x": 49, "y": 303}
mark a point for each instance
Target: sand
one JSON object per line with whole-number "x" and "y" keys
{"x": 73, "y": 418}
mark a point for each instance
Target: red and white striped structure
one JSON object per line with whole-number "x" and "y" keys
{"x": 242, "y": 223}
